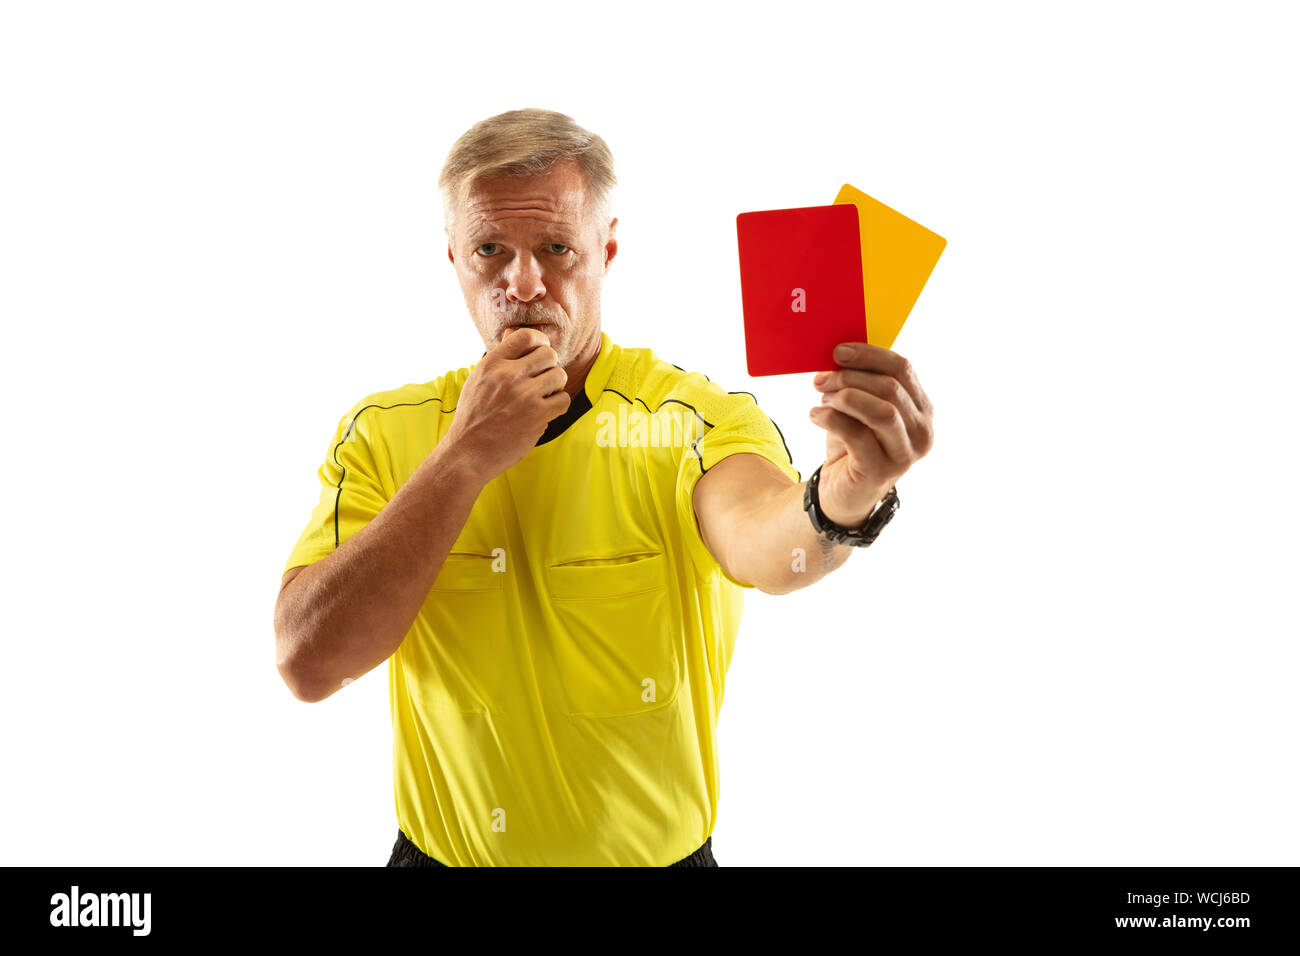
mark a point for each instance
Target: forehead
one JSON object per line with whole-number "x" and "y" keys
{"x": 557, "y": 197}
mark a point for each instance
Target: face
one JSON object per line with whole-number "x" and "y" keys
{"x": 530, "y": 251}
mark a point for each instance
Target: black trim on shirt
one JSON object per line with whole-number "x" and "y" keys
{"x": 774, "y": 425}
{"x": 579, "y": 405}
{"x": 769, "y": 417}
{"x": 343, "y": 471}
{"x": 698, "y": 457}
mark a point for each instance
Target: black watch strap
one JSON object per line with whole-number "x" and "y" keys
{"x": 857, "y": 538}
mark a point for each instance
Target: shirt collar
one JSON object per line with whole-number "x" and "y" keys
{"x": 594, "y": 385}
{"x": 600, "y": 369}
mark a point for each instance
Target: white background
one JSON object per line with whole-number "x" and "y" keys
{"x": 1076, "y": 643}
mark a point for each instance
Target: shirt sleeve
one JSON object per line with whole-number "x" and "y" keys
{"x": 742, "y": 427}
{"x": 351, "y": 492}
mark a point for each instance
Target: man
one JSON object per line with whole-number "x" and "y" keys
{"x": 549, "y": 547}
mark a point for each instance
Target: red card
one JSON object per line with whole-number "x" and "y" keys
{"x": 801, "y": 286}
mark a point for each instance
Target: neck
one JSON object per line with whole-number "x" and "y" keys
{"x": 578, "y": 369}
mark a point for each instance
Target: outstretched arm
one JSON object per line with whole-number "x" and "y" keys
{"x": 879, "y": 422}
{"x": 752, "y": 520}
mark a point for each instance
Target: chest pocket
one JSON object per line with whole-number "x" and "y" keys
{"x": 464, "y": 656}
{"x": 616, "y": 646}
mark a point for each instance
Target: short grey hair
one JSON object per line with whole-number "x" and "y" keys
{"x": 525, "y": 143}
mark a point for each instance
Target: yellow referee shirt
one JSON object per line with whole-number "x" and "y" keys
{"x": 555, "y": 702}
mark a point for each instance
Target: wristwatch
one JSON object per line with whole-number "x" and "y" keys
{"x": 859, "y": 538}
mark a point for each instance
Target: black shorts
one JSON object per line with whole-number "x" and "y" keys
{"x": 406, "y": 853}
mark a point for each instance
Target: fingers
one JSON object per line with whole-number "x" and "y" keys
{"x": 859, "y": 440}
{"x": 877, "y": 383}
{"x": 539, "y": 361}
{"x": 862, "y": 420}
{"x": 920, "y": 431}
{"x": 557, "y": 403}
{"x": 530, "y": 348}
{"x": 552, "y": 380}
{"x": 517, "y": 342}
{"x": 874, "y": 358}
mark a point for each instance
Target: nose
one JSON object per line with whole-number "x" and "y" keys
{"x": 524, "y": 279}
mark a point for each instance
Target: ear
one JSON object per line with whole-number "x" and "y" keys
{"x": 611, "y": 244}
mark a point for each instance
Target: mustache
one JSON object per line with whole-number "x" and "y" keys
{"x": 530, "y": 314}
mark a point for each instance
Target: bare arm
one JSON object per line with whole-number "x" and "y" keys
{"x": 752, "y": 520}
{"x": 348, "y": 612}
{"x": 879, "y": 422}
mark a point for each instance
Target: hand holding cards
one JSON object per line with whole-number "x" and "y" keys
{"x": 815, "y": 276}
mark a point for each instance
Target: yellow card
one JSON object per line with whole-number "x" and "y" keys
{"x": 898, "y": 256}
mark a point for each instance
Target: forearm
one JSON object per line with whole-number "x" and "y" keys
{"x": 349, "y": 612}
{"x": 777, "y": 549}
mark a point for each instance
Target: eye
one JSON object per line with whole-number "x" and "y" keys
{"x": 558, "y": 248}
{"x": 490, "y": 246}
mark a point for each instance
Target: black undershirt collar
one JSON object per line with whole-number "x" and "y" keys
{"x": 579, "y": 405}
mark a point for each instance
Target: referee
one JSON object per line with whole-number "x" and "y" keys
{"x": 549, "y": 547}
